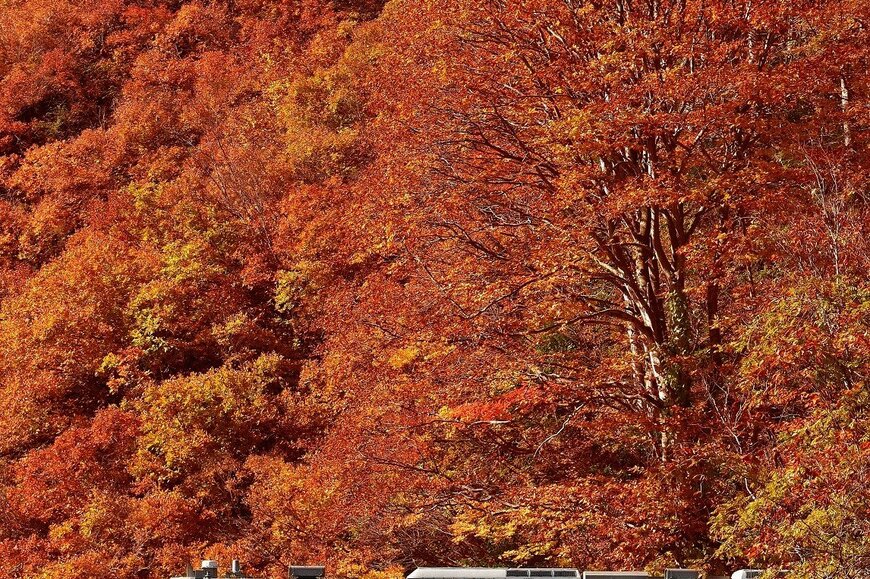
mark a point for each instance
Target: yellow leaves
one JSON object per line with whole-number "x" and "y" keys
{"x": 357, "y": 571}
{"x": 440, "y": 70}
{"x": 439, "y": 350}
{"x": 502, "y": 382}
{"x": 529, "y": 552}
{"x": 150, "y": 204}
{"x": 292, "y": 497}
{"x": 326, "y": 98}
{"x": 484, "y": 525}
{"x": 346, "y": 27}
{"x": 420, "y": 351}
{"x": 404, "y": 357}
{"x": 99, "y": 516}
{"x": 62, "y": 530}
{"x": 184, "y": 260}
{"x": 175, "y": 301}
{"x": 294, "y": 285}
{"x": 231, "y": 328}
{"x": 145, "y": 334}
{"x": 464, "y": 526}
{"x": 320, "y": 114}
{"x": 197, "y": 414}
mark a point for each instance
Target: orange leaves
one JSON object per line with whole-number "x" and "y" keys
{"x": 515, "y": 403}
{"x": 56, "y": 333}
{"x": 531, "y": 282}
{"x": 55, "y": 482}
{"x": 61, "y": 180}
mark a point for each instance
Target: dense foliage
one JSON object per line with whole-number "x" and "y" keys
{"x": 492, "y": 282}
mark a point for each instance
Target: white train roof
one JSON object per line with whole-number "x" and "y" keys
{"x": 488, "y": 573}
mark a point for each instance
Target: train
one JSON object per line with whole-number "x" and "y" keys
{"x": 209, "y": 569}
{"x": 565, "y": 572}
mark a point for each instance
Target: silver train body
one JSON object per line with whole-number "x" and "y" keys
{"x": 562, "y": 572}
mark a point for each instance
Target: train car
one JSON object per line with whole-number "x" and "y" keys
{"x": 490, "y": 573}
{"x": 531, "y": 573}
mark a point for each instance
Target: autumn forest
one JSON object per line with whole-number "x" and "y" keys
{"x": 434, "y": 282}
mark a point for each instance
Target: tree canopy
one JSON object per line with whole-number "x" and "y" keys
{"x": 445, "y": 282}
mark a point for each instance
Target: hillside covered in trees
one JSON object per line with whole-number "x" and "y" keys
{"x": 492, "y": 282}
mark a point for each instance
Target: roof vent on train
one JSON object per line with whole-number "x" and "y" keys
{"x": 208, "y": 569}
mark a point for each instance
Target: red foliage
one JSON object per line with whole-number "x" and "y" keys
{"x": 453, "y": 281}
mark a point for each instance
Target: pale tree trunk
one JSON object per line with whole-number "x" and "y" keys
{"x": 844, "y": 105}
{"x": 660, "y": 333}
